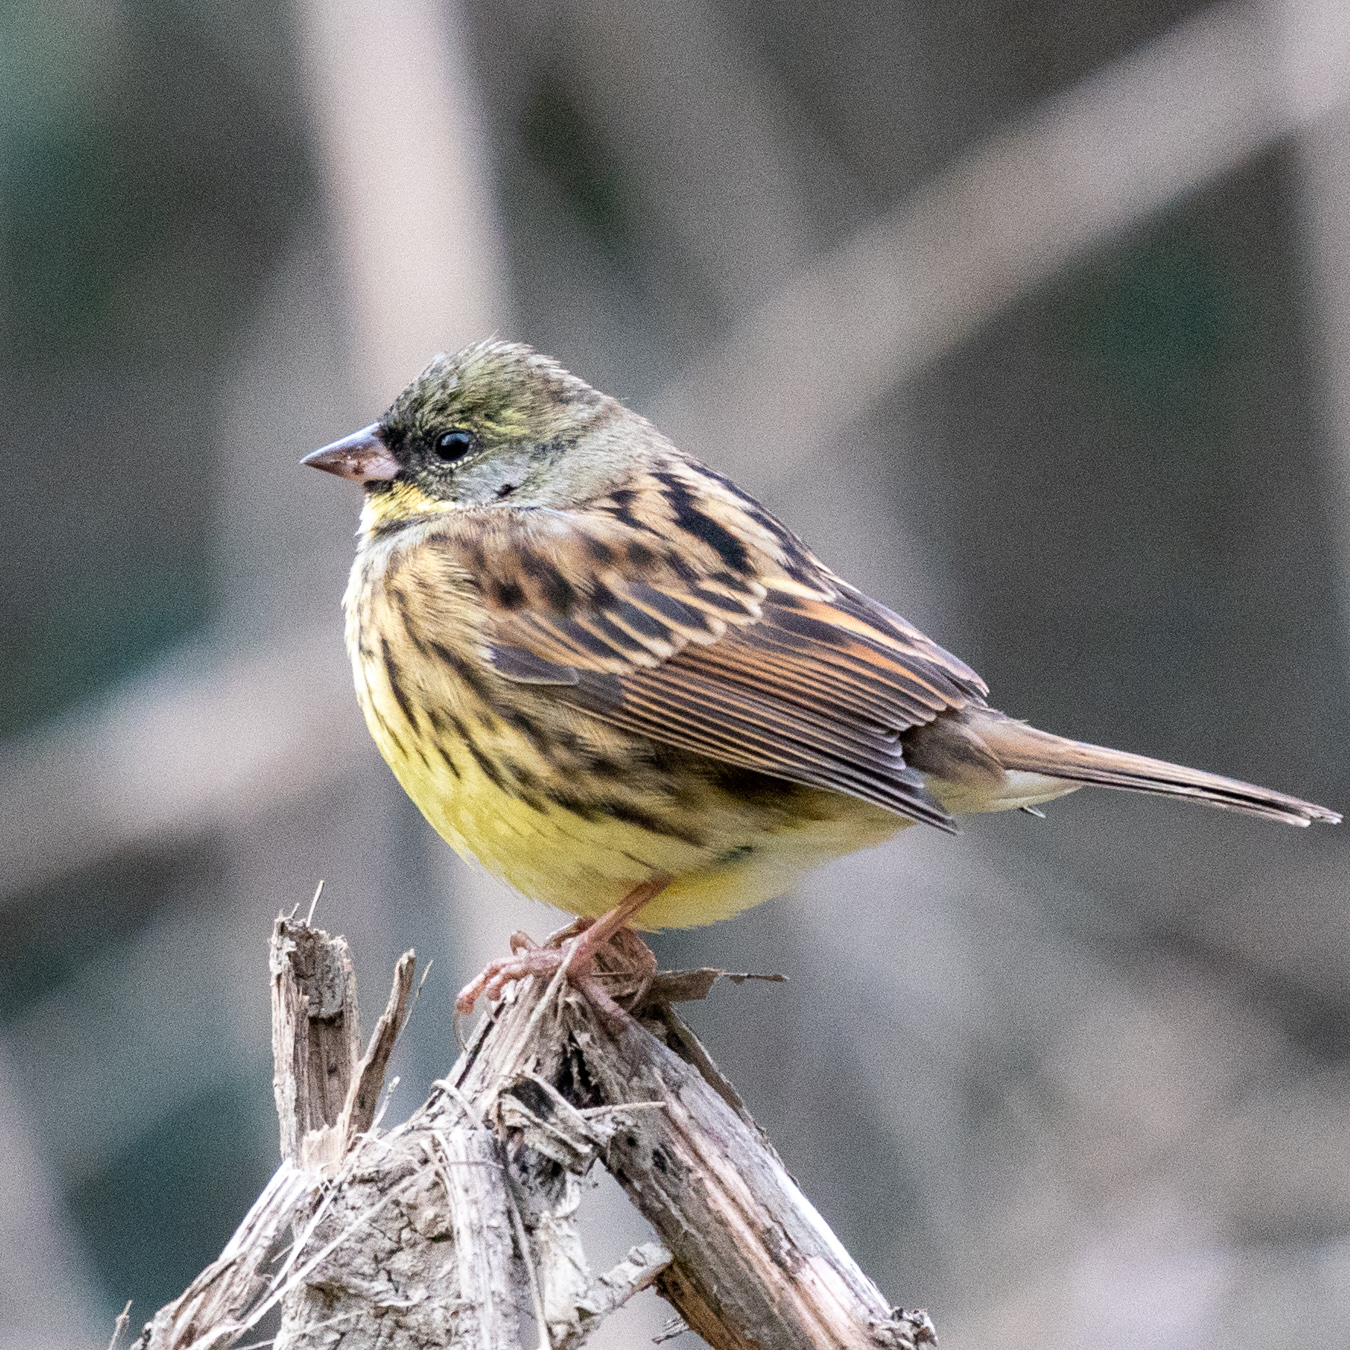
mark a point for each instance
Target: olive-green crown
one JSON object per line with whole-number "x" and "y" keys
{"x": 502, "y": 391}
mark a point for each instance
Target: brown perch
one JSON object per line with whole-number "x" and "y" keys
{"x": 458, "y": 1226}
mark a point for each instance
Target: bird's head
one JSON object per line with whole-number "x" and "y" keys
{"x": 496, "y": 423}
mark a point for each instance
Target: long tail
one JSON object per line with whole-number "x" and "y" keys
{"x": 1018, "y": 746}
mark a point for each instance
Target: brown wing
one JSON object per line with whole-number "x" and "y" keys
{"x": 818, "y": 690}
{"x": 697, "y": 620}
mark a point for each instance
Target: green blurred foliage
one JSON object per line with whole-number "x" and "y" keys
{"x": 1160, "y": 322}
{"x": 99, "y": 908}
{"x": 153, "y": 164}
{"x": 161, "y": 1211}
{"x": 566, "y": 146}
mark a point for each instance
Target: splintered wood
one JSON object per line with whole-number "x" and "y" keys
{"x": 458, "y": 1227}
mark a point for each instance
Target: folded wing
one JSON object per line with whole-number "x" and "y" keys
{"x": 738, "y": 646}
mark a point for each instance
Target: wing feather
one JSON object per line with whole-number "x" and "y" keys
{"x": 641, "y": 613}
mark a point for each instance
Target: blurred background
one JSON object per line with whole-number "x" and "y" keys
{"x": 1034, "y": 319}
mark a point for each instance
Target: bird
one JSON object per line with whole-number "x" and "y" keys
{"x": 608, "y": 674}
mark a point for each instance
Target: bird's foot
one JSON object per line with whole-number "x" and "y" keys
{"x": 574, "y": 950}
{"x": 611, "y": 974}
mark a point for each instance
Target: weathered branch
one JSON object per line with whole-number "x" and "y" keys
{"x": 458, "y": 1227}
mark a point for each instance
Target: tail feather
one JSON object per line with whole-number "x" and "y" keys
{"x": 1018, "y": 746}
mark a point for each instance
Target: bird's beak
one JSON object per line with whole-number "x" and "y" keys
{"x": 363, "y": 457}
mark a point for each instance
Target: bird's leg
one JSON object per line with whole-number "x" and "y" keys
{"x": 625, "y": 955}
{"x": 570, "y": 930}
{"x": 521, "y": 941}
{"x": 573, "y": 952}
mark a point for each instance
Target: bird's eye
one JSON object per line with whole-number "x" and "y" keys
{"x": 452, "y": 445}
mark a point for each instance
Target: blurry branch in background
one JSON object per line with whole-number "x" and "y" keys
{"x": 408, "y": 187}
{"x": 218, "y": 736}
{"x": 454, "y": 1227}
{"x": 1324, "y": 161}
{"x": 702, "y": 131}
{"x": 43, "y": 1289}
{"x": 1123, "y": 144}
{"x": 1092, "y": 162}
{"x": 202, "y": 744}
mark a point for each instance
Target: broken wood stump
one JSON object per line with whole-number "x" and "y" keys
{"x": 458, "y": 1226}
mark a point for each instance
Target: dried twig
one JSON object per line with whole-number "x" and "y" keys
{"x": 120, "y": 1325}
{"x": 459, "y": 1225}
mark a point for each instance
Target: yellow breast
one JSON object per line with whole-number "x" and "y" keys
{"x": 564, "y": 807}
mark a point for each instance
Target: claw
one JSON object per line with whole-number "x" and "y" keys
{"x": 509, "y": 969}
{"x": 573, "y": 946}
